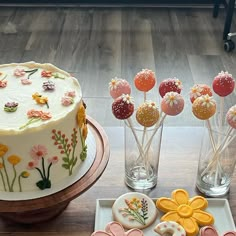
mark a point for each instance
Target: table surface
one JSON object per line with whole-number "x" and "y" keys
{"x": 178, "y": 153}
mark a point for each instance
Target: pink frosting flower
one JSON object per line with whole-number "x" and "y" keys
{"x": 3, "y": 83}
{"x": 34, "y": 113}
{"x": 45, "y": 115}
{"x": 19, "y": 72}
{"x": 70, "y": 94}
{"x": 66, "y": 101}
{"x": 38, "y": 152}
{"x": 25, "y": 81}
{"x": 53, "y": 160}
{"x": 32, "y": 164}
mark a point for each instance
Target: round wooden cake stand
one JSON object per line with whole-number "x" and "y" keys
{"x": 45, "y": 208}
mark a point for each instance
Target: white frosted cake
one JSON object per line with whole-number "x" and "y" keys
{"x": 42, "y": 126}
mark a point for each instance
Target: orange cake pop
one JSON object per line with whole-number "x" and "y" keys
{"x": 147, "y": 114}
{"x": 204, "y": 107}
{"x": 172, "y": 103}
{"x": 198, "y": 90}
{"x": 188, "y": 212}
{"x": 144, "y": 80}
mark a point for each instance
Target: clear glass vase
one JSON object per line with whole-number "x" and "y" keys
{"x": 217, "y": 160}
{"x": 142, "y": 152}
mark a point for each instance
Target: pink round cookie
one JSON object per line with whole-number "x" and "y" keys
{"x": 134, "y": 210}
{"x": 223, "y": 84}
{"x": 231, "y": 116}
{"x": 211, "y": 231}
{"x": 118, "y": 87}
{"x": 116, "y": 229}
{"x": 123, "y": 107}
{"x": 170, "y": 85}
{"x": 172, "y": 103}
{"x": 170, "y": 228}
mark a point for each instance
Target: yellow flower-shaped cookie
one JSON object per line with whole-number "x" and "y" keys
{"x": 188, "y": 212}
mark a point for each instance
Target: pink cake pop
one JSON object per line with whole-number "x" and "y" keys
{"x": 198, "y": 90}
{"x": 170, "y": 85}
{"x": 118, "y": 87}
{"x": 147, "y": 114}
{"x": 172, "y": 103}
{"x": 123, "y": 107}
{"x": 204, "y": 107}
{"x": 144, "y": 80}
{"x": 223, "y": 84}
{"x": 231, "y": 116}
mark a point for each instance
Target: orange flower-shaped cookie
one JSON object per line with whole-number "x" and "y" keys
{"x": 188, "y": 212}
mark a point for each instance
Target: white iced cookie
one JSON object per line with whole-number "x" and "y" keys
{"x": 170, "y": 227}
{"x": 134, "y": 210}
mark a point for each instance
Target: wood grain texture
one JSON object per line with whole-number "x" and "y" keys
{"x": 97, "y": 44}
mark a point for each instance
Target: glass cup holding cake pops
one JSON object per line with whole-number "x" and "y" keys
{"x": 143, "y": 124}
{"x": 217, "y": 157}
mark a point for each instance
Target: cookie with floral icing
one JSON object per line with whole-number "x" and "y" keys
{"x": 134, "y": 210}
{"x": 211, "y": 231}
{"x": 188, "y": 212}
{"x": 170, "y": 228}
{"x": 116, "y": 229}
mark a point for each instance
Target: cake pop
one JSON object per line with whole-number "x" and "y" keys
{"x": 118, "y": 87}
{"x": 123, "y": 107}
{"x": 170, "y": 85}
{"x": 198, "y": 90}
{"x": 204, "y": 107}
{"x": 231, "y": 116}
{"x": 223, "y": 84}
{"x": 147, "y": 114}
{"x": 145, "y": 80}
{"x": 172, "y": 103}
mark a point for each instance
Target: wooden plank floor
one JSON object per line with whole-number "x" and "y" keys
{"x": 97, "y": 44}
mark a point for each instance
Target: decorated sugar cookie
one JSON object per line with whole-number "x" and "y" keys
{"x": 116, "y": 229}
{"x": 188, "y": 212}
{"x": 211, "y": 231}
{"x": 170, "y": 227}
{"x": 134, "y": 210}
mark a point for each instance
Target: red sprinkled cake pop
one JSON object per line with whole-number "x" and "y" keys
{"x": 170, "y": 85}
{"x": 118, "y": 87}
{"x": 172, "y": 103}
{"x": 198, "y": 90}
{"x": 231, "y": 116}
{"x": 147, "y": 114}
{"x": 204, "y": 107}
{"x": 145, "y": 80}
{"x": 223, "y": 84}
{"x": 123, "y": 107}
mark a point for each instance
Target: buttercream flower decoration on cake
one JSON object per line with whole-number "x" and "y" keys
{"x": 39, "y": 99}
{"x": 19, "y": 72}
{"x": 35, "y": 116}
{"x": 11, "y": 106}
{"x": 188, "y": 212}
{"x": 38, "y": 153}
{"x": 10, "y": 183}
{"x": 68, "y": 98}
{"x": 50, "y": 74}
{"x": 48, "y": 85}
{"x": 3, "y": 81}
{"x": 116, "y": 229}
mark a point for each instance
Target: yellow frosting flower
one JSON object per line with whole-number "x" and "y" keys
{"x": 1, "y": 165}
{"x": 84, "y": 131}
{"x": 186, "y": 211}
{"x": 14, "y": 159}
{"x": 3, "y": 149}
{"x": 81, "y": 116}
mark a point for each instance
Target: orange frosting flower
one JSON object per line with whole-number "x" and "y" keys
{"x": 186, "y": 211}
{"x": 14, "y": 159}
{"x": 3, "y": 149}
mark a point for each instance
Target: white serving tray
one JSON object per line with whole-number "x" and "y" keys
{"x": 219, "y": 208}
